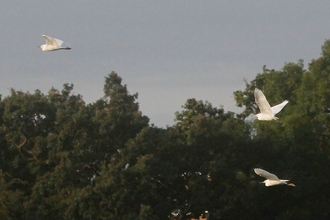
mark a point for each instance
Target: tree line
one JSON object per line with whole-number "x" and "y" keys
{"x": 61, "y": 158}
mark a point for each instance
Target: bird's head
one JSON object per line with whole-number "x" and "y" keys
{"x": 42, "y": 47}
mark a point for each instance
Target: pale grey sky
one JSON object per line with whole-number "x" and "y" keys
{"x": 167, "y": 51}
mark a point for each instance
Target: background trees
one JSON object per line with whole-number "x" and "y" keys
{"x": 63, "y": 159}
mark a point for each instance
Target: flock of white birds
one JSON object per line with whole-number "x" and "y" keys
{"x": 267, "y": 113}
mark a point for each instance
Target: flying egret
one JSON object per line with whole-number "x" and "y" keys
{"x": 271, "y": 179}
{"x": 52, "y": 44}
{"x": 267, "y": 113}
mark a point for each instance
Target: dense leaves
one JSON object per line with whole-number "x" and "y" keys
{"x": 61, "y": 158}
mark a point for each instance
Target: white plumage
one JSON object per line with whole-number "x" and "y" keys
{"x": 267, "y": 113}
{"x": 271, "y": 179}
{"x": 52, "y": 44}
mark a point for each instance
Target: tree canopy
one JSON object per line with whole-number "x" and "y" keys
{"x": 61, "y": 158}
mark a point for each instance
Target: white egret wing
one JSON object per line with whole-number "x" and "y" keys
{"x": 277, "y": 108}
{"x": 262, "y": 102}
{"x": 266, "y": 174}
{"x": 58, "y": 42}
{"x": 49, "y": 40}
{"x": 52, "y": 41}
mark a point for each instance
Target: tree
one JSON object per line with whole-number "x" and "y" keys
{"x": 299, "y": 142}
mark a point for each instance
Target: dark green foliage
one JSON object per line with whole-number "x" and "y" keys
{"x": 63, "y": 159}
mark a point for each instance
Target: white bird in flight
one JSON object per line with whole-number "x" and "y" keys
{"x": 52, "y": 44}
{"x": 271, "y": 179}
{"x": 267, "y": 113}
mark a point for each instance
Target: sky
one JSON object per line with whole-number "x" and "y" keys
{"x": 166, "y": 51}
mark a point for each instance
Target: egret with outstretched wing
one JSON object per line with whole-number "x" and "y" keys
{"x": 267, "y": 113}
{"x": 271, "y": 179}
{"x": 52, "y": 44}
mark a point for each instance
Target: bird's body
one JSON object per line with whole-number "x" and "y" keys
{"x": 267, "y": 113}
{"x": 52, "y": 44}
{"x": 271, "y": 179}
{"x": 265, "y": 117}
{"x": 274, "y": 182}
